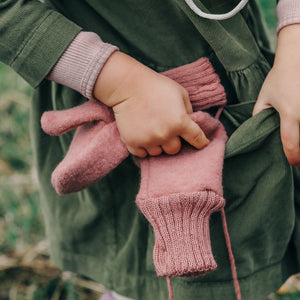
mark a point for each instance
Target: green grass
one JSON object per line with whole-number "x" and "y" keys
{"x": 20, "y": 216}
{"x": 269, "y": 9}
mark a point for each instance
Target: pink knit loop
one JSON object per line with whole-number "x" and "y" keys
{"x": 202, "y": 83}
{"x": 181, "y": 228}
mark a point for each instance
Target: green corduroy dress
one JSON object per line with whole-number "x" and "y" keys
{"x": 99, "y": 232}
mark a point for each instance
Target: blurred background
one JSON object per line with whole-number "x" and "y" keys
{"x": 25, "y": 269}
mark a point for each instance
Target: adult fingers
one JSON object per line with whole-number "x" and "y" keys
{"x": 193, "y": 134}
{"x": 172, "y": 146}
{"x": 289, "y": 130}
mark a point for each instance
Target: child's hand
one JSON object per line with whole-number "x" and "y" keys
{"x": 281, "y": 90}
{"x": 151, "y": 110}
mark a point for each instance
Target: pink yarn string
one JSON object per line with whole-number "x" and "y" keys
{"x": 228, "y": 244}
{"x": 170, "y": 289}
{"x": 219, "y": 111}
{"x": 231, "y": 258}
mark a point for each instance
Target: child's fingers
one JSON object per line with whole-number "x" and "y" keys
{"x": 173, "y": 146}
{"x": 154, "y": 150}
{"x": 140, "y": 152}
{"x": 187, "y": 102}
{"x": 260, "y": 105}
{"x": 290, "y": 140}
{"x": 193, "y": 134}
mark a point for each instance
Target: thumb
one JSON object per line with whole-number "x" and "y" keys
{"x": 261, "y": 104}
{"x": 187, "y": 102}
{"x": 289, "y": 130}
{"x": 193, "y": 134}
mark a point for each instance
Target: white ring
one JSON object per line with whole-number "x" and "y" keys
{"x": 228, "y": 15}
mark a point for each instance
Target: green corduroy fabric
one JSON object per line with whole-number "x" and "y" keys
{"x": 33, "y": 37}
{"x": 99, "y": 232}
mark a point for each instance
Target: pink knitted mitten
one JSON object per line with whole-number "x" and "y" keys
{"x": 95, "y": 150}
{"x": 177, "y": 195}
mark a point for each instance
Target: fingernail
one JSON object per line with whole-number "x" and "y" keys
{"x": 206, "y": 141}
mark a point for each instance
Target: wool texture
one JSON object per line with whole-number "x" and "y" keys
{"x": 178, "y": 193}
{"x": 201, "y": 82}
{"x": 96, "y": 148}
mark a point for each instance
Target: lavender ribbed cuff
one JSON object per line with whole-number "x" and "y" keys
{"x": 288, "y": 12}
{"x": 81, "y": 63}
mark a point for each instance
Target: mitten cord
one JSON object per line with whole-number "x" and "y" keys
{"x": 227, "y": 239}
{"x": 170, "y": 289}
{"x": 219, "y": 111}
{"x": 231, "y": 259}
{"x": 228, "y": 245}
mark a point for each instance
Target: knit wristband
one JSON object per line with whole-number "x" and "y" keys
{"x": 288, "y": 12}
{"x": 202, "y": 83}
{"x": 81, "y": 63}
{"x": 181, "y": 226}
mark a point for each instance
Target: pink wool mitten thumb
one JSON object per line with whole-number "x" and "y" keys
{"x": 178, "y": 193}
{"x": 61, "y": 121}
{"x": 95, "y": 150}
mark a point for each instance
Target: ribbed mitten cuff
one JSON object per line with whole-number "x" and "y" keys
{"x": 181, "y": 228}
{"x": 201, "y": 82}
{"x": 81, "y": 63}
{"x": 288, "y": 12}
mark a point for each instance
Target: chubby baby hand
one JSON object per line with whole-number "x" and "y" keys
{"x": 151, "y": 110}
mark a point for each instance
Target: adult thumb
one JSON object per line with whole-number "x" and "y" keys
{"x": 193, "y": 134}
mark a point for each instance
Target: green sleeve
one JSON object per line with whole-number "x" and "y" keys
{"x": 33, "y": 37}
